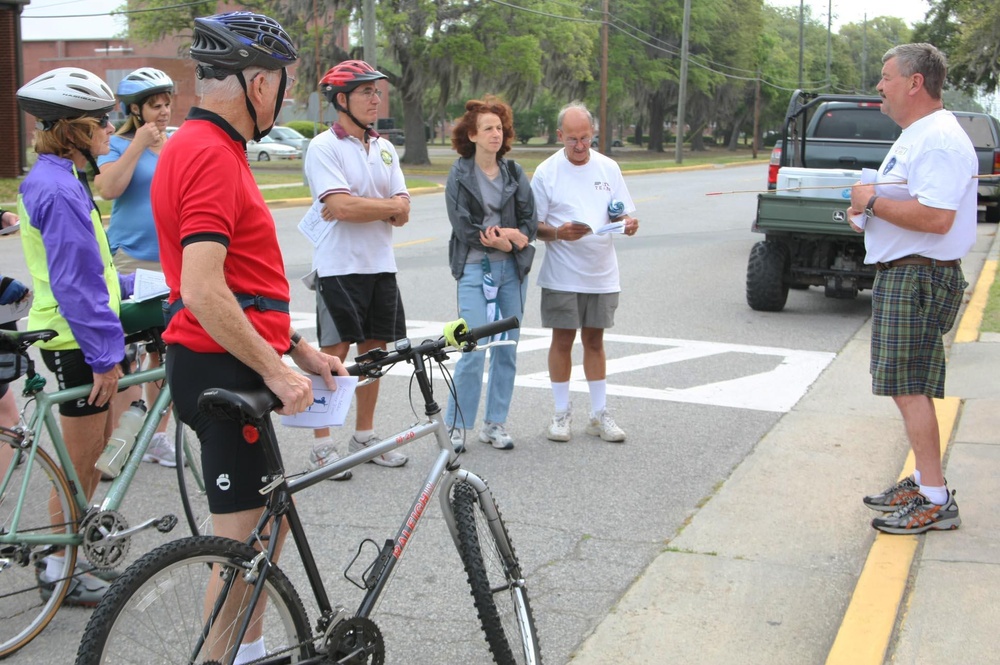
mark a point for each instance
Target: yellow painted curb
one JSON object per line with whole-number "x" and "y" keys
{"x": 972, "y": 319}
{"x": 864, "y": 634}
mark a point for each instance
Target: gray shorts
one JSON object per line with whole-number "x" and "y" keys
{"x": 326, "y": 329}
{"x": 572, "y": 311}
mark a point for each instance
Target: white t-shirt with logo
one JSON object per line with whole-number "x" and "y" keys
{"x": 336, "y": 165}
{"x": 565, "y": 192}
{"x": 936, "y": 159}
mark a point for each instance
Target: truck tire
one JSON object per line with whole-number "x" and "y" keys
{"x": 993, "y": 214}
{"x": 767, "y": 289}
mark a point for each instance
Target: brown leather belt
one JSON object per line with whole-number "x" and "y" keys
{"x": 916, "y": 260}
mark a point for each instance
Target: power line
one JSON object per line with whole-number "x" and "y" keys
{"x": 115, "y": 12}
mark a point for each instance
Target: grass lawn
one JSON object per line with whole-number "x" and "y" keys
{"x": 991, "y": 314}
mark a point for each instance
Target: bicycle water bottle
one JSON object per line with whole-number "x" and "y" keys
{"x": 122, "y": 439}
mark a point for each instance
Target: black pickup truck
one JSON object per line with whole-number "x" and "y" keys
{"x": 807, "y": 240}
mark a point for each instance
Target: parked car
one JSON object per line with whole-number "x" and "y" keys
{"x": 596, "y": 142}
{"x": 170, "y": 131}
{"x": 267, "y": 149}
{"x": 288, "y": 136}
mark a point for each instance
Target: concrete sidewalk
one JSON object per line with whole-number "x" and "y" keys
{"x": 781, "y": 565}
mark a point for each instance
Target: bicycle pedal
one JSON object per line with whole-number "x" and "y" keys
{"x": 166, "y": 523}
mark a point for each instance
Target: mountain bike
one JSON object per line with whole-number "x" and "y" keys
{"x": 196, "y": 600}
{"x": 42, "y": 507}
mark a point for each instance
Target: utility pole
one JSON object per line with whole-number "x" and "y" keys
{"x": 605, "y": 143}
{"x": 864, "y": 56}
{"x": 682, "y": 92}
{"x": 756, "y": 115}
{"x": 319, "y": 73}
{"x": 829, "y": 47}
{"x": 369, "y": 32}
{"x": 802, "y": 40}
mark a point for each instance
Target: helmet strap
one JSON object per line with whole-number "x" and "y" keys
{"x": 346, "y": 111}
{"x": 259, "y": 133}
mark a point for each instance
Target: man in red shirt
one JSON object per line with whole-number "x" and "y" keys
{"x": 220, "y": 254}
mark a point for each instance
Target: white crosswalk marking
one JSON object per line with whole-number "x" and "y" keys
{"x": 776, "y": 389}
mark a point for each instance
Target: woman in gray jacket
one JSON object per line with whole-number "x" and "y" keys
{"x": 492, "y": 216}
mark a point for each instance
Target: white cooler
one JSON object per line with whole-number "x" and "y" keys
{"x": 817, "y": 183}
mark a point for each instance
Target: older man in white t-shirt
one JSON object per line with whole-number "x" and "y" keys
{"x": 581, "y": 202}
{"x": 919, "y": 221}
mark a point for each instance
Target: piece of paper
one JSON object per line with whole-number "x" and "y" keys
{"x": 7, "y": 230}
{"x": 612, "y": 227}
{"x": 329, "y": 407}
{"x": 309, "y": 279}
{"x": 16, "y": 310}
{"x": 313, "y": 226}
{"x": 868, "y": 177}
{"x": 149, "y": 284}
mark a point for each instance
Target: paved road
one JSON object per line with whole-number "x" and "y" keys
{"x": 696, "y": 378}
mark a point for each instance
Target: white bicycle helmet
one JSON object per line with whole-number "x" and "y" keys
{"x": 66, "y": 92}
{"x": 142, "y": 84}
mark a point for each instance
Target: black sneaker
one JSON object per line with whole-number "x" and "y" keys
{"x": 85, "y": 590}
{"x": 920, "y": 515}
{"x": 895, "y": 497}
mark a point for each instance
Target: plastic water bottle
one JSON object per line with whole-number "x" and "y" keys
{"x": 122, "y": 439}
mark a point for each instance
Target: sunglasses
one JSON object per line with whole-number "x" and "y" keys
{"x": 104, "y": 121}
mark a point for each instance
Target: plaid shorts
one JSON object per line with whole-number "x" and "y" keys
{"x": 913, "y": 307}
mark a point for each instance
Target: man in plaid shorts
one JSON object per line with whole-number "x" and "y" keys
{"x": 919, "y": 220}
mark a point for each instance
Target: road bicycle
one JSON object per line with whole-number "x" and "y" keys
{"x": 196, "y": 600}
{"x": 42, "y": 506}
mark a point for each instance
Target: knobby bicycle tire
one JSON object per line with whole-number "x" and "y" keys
{"x": 498, "y": 589}
{"x": 26, "y": 607}
{"x": 155, "y": 612}
{"x": 190, "y": 482}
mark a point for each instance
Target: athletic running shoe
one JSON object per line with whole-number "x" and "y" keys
{"x": 496, "y": 434}
{"x": 895, "y": 497}
{"x": 391, "y": 458}
{"x": 458, "y": 439}
{"x": 85, "y": 589}
{"x": 603, "y": 425}
{"x": 920, "y": 515}
{"x": 161, "y": 450}
{"x": 559, "y": 429}
{"x": 324, "y": 454}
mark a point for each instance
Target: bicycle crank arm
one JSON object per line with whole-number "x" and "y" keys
{"x": 163, "y": 524}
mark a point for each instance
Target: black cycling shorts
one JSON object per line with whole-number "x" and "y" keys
{"x": 72, "y": 370}
{"x": 365, "y": 307}
{"x": 234, "y": 470}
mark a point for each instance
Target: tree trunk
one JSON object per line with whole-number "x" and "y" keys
{"x": 416, "y": 141}
{"x": 638, "y": 133}
{"x": 657, "y": 113}
{"x": 697, "y": 144}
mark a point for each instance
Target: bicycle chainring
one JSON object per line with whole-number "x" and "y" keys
{"x": 101, "y": 554}
{"x": 356, "y": 641}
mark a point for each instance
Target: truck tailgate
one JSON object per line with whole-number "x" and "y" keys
{"x": 800, "y": 214}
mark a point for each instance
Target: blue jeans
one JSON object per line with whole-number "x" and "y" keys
{"x": 503, "y": 359}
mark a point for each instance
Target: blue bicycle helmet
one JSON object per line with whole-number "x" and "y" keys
{"x": 142, "y": 84}
{"x": 225, "y": 44}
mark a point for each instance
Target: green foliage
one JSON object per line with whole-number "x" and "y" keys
{"x": 991, "y": 314}
{"x": 525, "y": 125}
{"x": 967, "y": 31}
{"x": 305, "y": 127}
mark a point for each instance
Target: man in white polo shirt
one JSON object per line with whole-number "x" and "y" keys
{"x": 356, "y": 175}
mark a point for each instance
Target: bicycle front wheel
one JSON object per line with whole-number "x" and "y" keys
{"x": 184, "y": 603}
{"x": 27, "y": 604}
{"x": 498, "y": 587}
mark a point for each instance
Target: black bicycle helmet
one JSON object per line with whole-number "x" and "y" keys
{"x": 225, "y": 44}
{"x": 64, "y": 93}
{"x": 142, "y": 84}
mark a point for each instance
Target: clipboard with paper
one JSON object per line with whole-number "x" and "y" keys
{"x": 313, "y": 226}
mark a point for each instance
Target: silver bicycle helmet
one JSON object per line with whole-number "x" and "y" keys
{"x": 142, "y": 84}
{"x": 225, "y": 44}
{"x": 66, "y": 92}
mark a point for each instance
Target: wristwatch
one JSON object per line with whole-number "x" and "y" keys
{"x": 870, "y": 208}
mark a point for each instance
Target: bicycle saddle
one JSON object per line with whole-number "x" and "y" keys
{"x": 238, "y": 405}
{"x": 13, "y": 340}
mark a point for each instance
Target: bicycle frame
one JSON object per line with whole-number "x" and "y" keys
{"x": 43, "y": 416}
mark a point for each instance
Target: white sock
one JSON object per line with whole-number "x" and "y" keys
{"x": 937, "y": 495}
{"x": 250, "y": 652}
{"x": 560, "y": 394}
{"x": 325, "y": 441}
{"x": 598, "y": 395}
{"x": 916, "y": 476}
{"x": 364, "y": 434}
{"x": 54, "y": 565}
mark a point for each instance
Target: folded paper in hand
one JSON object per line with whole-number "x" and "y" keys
{"x": 868, "y": 177}
{"x": 313, "y": 226}
{"x": 149, "y": 284}
{"x": 610, "y": 227}
{"x": 16, "y": 310}
{"x": 329, "y": 407}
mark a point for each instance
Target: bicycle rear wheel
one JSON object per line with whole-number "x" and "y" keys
{"x": 498, "y": 587}
{"x": 191, "y": 483}
{"x": 156, "y": 612}
{"x": 26, "y": 605}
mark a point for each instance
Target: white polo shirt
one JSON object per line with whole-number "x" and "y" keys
{"x": 337, "y": 163}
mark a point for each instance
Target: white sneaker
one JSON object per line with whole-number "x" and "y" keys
{"x": 161, "y": 450}
{"x": 458, "y": 439}
{"x": 496, "y": 434}
{"x": 323, "y": 454}
{"x": 603, "y": 425}
{"x": 391, "y": 458}
{"x": 560, "y": 429}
